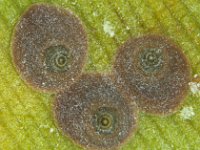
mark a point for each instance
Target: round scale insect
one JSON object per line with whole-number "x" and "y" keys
{"x": 49, "y": 47}
{"x": 94, "y": 114}
{"x": 154, "y": 72}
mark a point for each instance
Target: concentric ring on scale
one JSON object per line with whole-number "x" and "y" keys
{"x": 94, "y": 114}
{"x": 49, "y": 47}
{"x": 154, "y": 72}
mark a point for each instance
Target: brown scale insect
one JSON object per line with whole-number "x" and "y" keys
{"x": 49, "y": 47}
{"x": 154, "y": 72}
{"x": 94, "y": 114}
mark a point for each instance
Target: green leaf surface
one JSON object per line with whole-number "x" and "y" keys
{"x": 26, "y": 120}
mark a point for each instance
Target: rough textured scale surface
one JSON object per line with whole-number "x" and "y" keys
{"x": 154, "y": 72}
{"x": 49, "y": 47}
{"x": 25, "y": 114}
{"x": 94, "y": 114}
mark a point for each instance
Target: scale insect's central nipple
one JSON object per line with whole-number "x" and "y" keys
{"x": 151, "y": 60}
{"x": 61, "y": 61}
{"x": 104, "y": 121}
{"x": 57, "y": 58}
